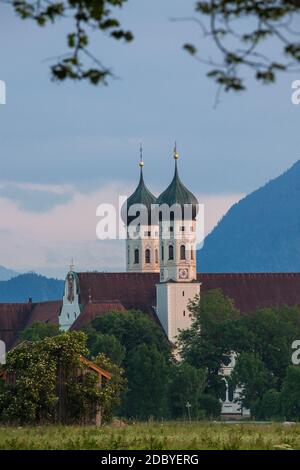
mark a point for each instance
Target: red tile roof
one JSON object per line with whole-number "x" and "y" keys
{"x": 45, "y": 311}
{"x": 254, "y": 290}
{"x": 15, "y": 317}
{"x": 249, "y": 290}
{"x": 137, "y": 291}
{"x": 132, "y": 290}
{"x": 95, "y": 309}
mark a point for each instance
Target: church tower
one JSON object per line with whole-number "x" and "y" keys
{"x": 71, "y": 306}
{"x": 178, "y": 284}
{"x": 142, "y": 242}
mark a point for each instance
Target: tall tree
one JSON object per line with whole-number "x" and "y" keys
{"x": 205, "y": 345}
{"x": 147, "y": 373}
{"x": 186, "y": 387}
{"x": 290, "y": 395}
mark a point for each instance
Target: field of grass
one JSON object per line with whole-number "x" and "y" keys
{"x": 153, "y": 436}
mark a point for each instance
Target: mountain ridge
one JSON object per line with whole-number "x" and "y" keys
{"x": 31, "y": 285}
{"x": 260, "y": 233}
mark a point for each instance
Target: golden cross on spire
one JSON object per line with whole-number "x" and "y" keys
{"x": 175, "y": 153}
{"x": 141, "y": 164}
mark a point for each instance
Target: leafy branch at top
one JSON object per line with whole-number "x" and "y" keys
{"x": 87, "y": 15}
{"x": 224, "y": 21}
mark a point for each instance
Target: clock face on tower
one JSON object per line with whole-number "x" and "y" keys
{"x": 183, "y": 273}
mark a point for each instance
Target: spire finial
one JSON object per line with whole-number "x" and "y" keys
{"x": 175, "y": 153}
{"x": 72, "y": 265}
{"x": 141, "y": 164}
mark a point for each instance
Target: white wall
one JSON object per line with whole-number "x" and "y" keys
{"x": 172, "y": 306}
{"x": 70, "y": 308}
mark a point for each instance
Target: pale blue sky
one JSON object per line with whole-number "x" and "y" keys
{"x": 62, "y": 141}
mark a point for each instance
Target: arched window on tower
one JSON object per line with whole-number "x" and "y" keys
{"x": 136, "y": 256}
{"x": 171, "y": 252}
{"x": 182, "y": 251}
{"x": 162, "y": 252}
{"x": 147, "y": 256}
{"x": 156, "y": 256}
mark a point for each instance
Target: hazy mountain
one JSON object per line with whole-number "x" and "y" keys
{"x": 259, "y": 233}
{"x": 6, "y": 274}
{"x": 39, "y": 288}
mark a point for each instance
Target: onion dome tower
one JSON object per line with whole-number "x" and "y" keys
{"x": 178, "y": 209}
{"x": 142, "y": 242}
{"x": 178, "y": 196}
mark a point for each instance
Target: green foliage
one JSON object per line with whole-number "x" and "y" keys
{"x": 205, "y": 345}
{"x": 223, "y": 21}
{"x": 262, "y": 341}
{"x": 290, "y": 395}
{"x": 131, "y": 329}
{"x": 211, "y": 405}
{"x": 86, "y": 16}
{"x": 114, "y": 390}
{"x": 49, "y": 382}
{"x": 147, "y": 372}
{"x": 253, "y": 377}
{"x": 226, "y": 22}
{"x": 151, "y": 435}
{"x": 186, "y": 385}
{"x": 269, "y": 406}
{"x": 39, "y": 330}
{"x": 126, "y": 339}
{"x": 269, "y": 333}
{"x": 106, "y": 344}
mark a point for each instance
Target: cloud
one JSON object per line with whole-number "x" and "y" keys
{"x": 34, "y": 196}
{"x": 46, "y": 241}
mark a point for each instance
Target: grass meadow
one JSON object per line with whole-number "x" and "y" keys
{"x": 153, "y": 436}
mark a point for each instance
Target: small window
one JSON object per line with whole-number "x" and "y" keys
{"x": 172, "y": 215}
{"x": 147, "y": 234}
{"x": 184, "y": 313}
{"x": 192, "y": 254}
{"x": 171, "y": 229}
{"x": 136, "y": 256}
{"x": 162, "y": 252}
{"x": 182, "y": 228}
{"x": 128, "y": 255}
{"x": 68, "y": 315}
{"x": 182, "y": 252}
{"x": 171, "y": 252}
{"x": 156, "y": 256}
{"x": 183, "y": 293}
{"x": 147, "y": 256}
{"x": 75, "y": 316}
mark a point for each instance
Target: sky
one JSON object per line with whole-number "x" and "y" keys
{"x": 65, "y": 148}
